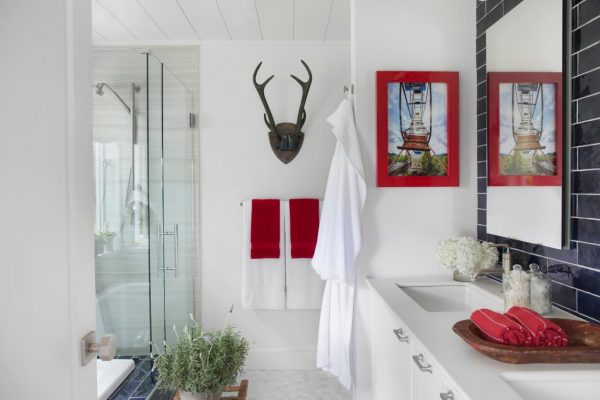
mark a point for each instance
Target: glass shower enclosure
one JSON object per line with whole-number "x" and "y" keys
{"x": 144, "y": 215}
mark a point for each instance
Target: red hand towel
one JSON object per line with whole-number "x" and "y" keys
{"x": 544, "y": 332}
{"x": 499, "y": 328}
{"x": 265, "y": 229}
{"x": 304, "y": 227}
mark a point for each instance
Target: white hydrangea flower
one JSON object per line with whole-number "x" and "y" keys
{"x": 446, "y": 253}
{"x": 466, "y": 254}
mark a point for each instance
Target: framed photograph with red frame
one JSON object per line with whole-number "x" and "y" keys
{"x": 525, "y": 128}
{"x": 417, "y": 129}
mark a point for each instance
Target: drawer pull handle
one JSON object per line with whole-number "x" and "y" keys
{"x": 419, "y": 359}
{"x": 447, "y": 396}
{"x": 400, "y": 335}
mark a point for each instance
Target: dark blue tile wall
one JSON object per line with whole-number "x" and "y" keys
{"x": 575, "y": 273}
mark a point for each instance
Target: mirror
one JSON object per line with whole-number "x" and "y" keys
{"x": 525, "y": 124}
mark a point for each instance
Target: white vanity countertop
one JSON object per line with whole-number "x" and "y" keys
{"x": 478, "y": 376}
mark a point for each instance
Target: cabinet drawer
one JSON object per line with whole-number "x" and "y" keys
{"x": 427, "y": 378}
{"x": 390, "y": 355}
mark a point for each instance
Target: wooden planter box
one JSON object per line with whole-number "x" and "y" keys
{"x": 241, "y": 390}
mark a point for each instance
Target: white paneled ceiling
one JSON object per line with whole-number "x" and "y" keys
{"x": 172, "y": 21}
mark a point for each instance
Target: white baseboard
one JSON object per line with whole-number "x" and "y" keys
{"x": 282, "y": 359}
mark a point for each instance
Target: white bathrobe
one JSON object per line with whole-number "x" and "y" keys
{"x": 338, "y": 246}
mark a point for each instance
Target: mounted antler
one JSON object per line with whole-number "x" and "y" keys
{"x": 260, "y": 88}
{"x": 305, "y": 88}
{"x": 285, "y": 138}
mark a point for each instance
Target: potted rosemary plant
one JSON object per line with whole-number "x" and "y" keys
{"x": 202, "y": 363}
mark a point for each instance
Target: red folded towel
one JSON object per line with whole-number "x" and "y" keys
{"x": 265, "y": 229}
{"x": 304, "y": 227}
{"x": 543, "y": 331}
{"x": 499, "y": 328}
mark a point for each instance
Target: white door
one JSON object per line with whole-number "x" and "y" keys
{"x": 47, "y": 296}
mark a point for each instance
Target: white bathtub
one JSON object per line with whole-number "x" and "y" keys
{"x": 111, "y": 374}
{"x": 123, "y": 310}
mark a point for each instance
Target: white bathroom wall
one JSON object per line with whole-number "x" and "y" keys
{"x": 46, "y": 202}
{"x": 402, "y": 226}
{"x": 236, "y": 163}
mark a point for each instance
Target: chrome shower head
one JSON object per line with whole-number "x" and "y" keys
{"x": 99, "y": 89}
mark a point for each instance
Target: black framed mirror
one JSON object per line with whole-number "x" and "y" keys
{"x": 567, "y": 198}
{"x": 526, "y": 134}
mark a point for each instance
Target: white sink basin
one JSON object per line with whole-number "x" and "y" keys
{"x": 555, "y": 385}
{"x": 451, "y": 298}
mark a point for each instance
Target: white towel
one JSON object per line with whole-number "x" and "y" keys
{"x": 263, "y": 280}
{"x": 304, "y": 286}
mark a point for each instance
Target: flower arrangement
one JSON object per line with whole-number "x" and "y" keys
{"x": 202, "y": 363}
{"x": 467, "y": 255}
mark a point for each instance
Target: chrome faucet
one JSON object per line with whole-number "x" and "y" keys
{"x": 506, "y": 256}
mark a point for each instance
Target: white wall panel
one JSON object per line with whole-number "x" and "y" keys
{"x": 132, "y": 15}
{"x": 241, "y": 19}
{"x": 236, "y": 163}
{"x": 276, "y": 19}
{"x": 339, "y": 23}
{"x": 106, "y": 25}
{"x": 311, "y": 20}
{"x": 402, "y": 226}
{"x": 165, "y": 21}
{"x": 171, "y": 19}
{"x": 206, "y": 18}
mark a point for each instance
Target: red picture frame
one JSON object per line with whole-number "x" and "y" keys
{"x": 544, "y": 170}
{"x": 392, "y": 169}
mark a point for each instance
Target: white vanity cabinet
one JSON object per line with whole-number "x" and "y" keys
{"x": 426, "y": 376}
{"x": 401, "y": 369}
{"x": 390, "y": 354}
{"x": 429, "y": 381}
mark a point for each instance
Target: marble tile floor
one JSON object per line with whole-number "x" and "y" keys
{"x": 294, "y": 384}
{"x": 263, "y": 385}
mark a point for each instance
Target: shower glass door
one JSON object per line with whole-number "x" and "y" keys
{"x": 145, "y": 233}
{"x": 172, "y": 187}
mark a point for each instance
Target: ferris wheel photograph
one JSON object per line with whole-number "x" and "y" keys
{"x": 524, "y": 134}
{"x": 527, "y": 129}
{"x": 417, "y": 129}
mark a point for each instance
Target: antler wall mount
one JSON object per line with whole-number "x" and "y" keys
{"x": 285, "y": 138}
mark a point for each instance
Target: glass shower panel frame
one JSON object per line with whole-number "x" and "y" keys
{"x": 171, "y": 162}
{"x": 122, "y": 286}
{"x": 155, "y": 193}
{"x": 178, "y": 200}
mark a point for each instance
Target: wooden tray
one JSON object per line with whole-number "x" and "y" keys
{"x": 584, "y": 344}
{"x": 242, "y": 392}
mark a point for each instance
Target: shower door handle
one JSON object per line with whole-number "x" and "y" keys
{"x": 161, "y": 235}
{"x": 158, "y": 249}
{"x": 176, "y": 249}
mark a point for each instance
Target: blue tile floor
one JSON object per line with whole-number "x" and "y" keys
{"x": 140, "y": 384}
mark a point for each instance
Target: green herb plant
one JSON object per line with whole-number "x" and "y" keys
{"x": 203, "y": 362}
